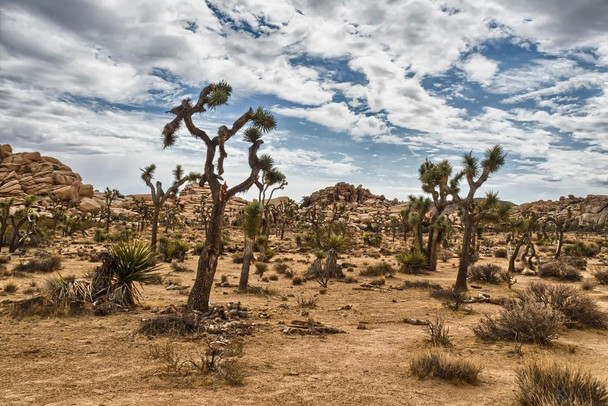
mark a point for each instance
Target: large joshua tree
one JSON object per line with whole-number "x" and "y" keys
{"x": 159, "y": 196}
{"x": 470, "y": 211}
{"x": 262, "y": 121}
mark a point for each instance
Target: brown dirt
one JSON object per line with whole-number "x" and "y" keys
{"x": 89, "y": 360}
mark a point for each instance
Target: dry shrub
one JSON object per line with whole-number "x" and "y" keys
{"x": 10, "y": 287}
{"x": 297, "y": 280}
{"x": 524, "y": 321}
{"x": 377, "y": 282}
{"x": 560, "y": 269}
{"x": 436, "y": 365}
{"x": 500, "y": 253}
{"x": 176, "y": 267}
{"x": 421, "y": 285}
{"x": 4, "y": 259}
{"x": 260, "y": 268}
{"x": 379, "y": 269}
{"x": 580, "y": 249}
{"x": 350, "y": 279}
{"x": 439, "y": 333}
{"x": 556, "y": 385}
{"x": 579, "y": 309}
{"x": 602, "y": 277}
{"x": 450, "y": 298}
{"x": 45, "y": 264}
{"x": 309, "y": 303}
{"x": 168, "y": 325}
{"x": 489, "y": 273}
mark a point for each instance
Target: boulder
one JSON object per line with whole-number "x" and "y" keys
{"x": 88, "y": 205}
{"x": 86, "y": 190}
{"x": 5, "y": 151}
{"x": 66, "y": 193}
{"x": 11, "y": 188}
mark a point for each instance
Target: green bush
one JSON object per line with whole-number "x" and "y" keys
{"x": 44, "y": 264}
{"x": 172, "y": 249}
{"x": 373, "y": 240}
{"x": 379, "y": 269}
{"x": 580, "y": 249}
{"x": 489, "y": 273}
{"x": 412, "y": 262}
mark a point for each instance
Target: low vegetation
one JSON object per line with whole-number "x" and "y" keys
{"x": 437, "y": 365}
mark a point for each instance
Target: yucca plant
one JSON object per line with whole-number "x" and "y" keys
{"x": 68, "y": 289}
{"x": 412, "y": 262}
{"x": 134, "y": 263}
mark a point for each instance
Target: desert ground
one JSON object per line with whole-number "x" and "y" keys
{"x": 103, "y": 360}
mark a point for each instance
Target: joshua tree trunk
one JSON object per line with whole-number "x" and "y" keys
{"x": 433, "y": 249}
{"x": 560, "y": 243}
{"x": 463, "y": 267}
{"x": 155, "y": 226}
{"x": 207, "y": 262}
{"x": 515, "y": 253}
{"x": 247, "y": 258}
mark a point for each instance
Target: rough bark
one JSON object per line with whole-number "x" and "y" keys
{"x": 247, "y": 258}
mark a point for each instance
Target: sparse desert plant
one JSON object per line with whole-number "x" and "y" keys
{"x": 134, "y": 263}
{"x": 500, "y": 253}
{"x": 379, "y": 269}
{"x": 560, "y": 269}
{"x": 5, "y": 259}
{"x": 439, "y": 333}
{"x": 350, "y": 279}
{"x": 587, "y": 284}
{"x": 421, "y": 285}
{"x": 179, "y": 268}
{"x": 445, "y": 256}
{"x": 238, "y": 258}
{"x": 273, "y": 277}
{"x": 377, "y": 281}
{"x": 309, "y": 303}
{"x": 296, "y": 280}
{"x": 260, "y": 268}
{"x": 167, "y": 353}
{"x": 579, "y": 309}
{"x": 168, "y": 325}
{"x": 172, "y": 249}
{"x": 373, "y": 240}
{"x": 522, "y": 319}
{"x": 44, "y": 264}
{"x": 602, "y": 277}
{"x": 555, "y": 385}
{"x": 198, "y": 248}
{"x": 449, "y": 297}
{"x": 580, "y": 249}
{"x": 10, "y": 287}
{"x": 412, "y": 262}
{"x": 489, "y": 273}
{"x": 437, "y": 365}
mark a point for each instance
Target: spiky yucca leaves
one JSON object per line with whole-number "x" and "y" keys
{"x": 219, "y": 95}
{"x": 252, "y": 135}
{"x": 335, "y": 243}
{"x": 555, "y": 385}
{"x": 134, "y": 262}
{"x": 178, "y": 172}
{"x": 266, "y": 162}
{"x": 252, "y": 219}
{"x": 264, "y": 120}
{"x": 412, "y": 262}
{"x": 148, "y": 173}
{"x": 68, "y": 290}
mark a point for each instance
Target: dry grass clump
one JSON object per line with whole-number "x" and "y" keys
{"x": 579, "y": 309}
{"x": 379, "y": 269}
{"x": 489, "y": 273}
{"x": 500, "y": 253}
{"x": 168, "y": 325}
{"x": 377, "y": 282}
{"x": 450, "y": 298}
{"x": 522, "y": 321}
{"x": 10, "y": 287}
{"x": 439, "y": 333}
{"x": 436, "y": 365}
{"x": 176, "y": 267}
{"x": 308, "y": 303}
{"x": 560, "y": 269}
{"x": 556, "y": 385}
{"x": 4, "y": 259}
{"x": 602, "y": 277}
{"x": 297, "y": 280}
{"x": 580, "y": 249}
{"x": 45, "y": 264}
{"x": 421, "y": 285}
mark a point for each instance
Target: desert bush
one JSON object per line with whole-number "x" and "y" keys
{"x": 297, "y": 280}
{"x": 500, "y": 253}
{"x": 10, "y": 287}
{"x": 489, "y": 273}
{"x": 168, "y": 325}
{"x": 580, "y": 249}
{"x": 450, "y": 298}
{"x": 310, "y": 302}
{"x": 198, "y": 248}
{"x": 523, "y": 321}
{"x": 379, "y": 269}
{"x": 280, "y": 268}
{"x": 260, "y": 268}
{"x": 5, "y": 259}
{"x": 412, "y": 262}
{"x": 587, "y": 284}
{"x": 602, "y": 277}
{"x": 273, "y": 277}
{"x": 436, "y": 365}
{"x": 44, "y": 264}
{"x": 445, "y": 255}
{"x": 439, "y": 333}
{"x": 350, "y": 279}
{"x": 373, "y": 240}
{"x": 579, "y": 309}
{"x": 556, "y": 385}
{"x": 377, "y": 281}
{"x": 238, "y": 258}
{"x": 561, "y": 270}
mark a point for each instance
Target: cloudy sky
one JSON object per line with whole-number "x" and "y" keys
{"x": 363, "y": 91}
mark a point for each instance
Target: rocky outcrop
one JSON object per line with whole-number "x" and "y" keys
{"x": 343, "y": 193}
{"x": 590, "y": 211}
{"x": 594, "y": 211}
{"x": 30, "y": 173}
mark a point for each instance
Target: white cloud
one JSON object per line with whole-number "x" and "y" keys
{"x": 480, "y": 69}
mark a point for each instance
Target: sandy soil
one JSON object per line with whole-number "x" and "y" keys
{"x": 89, "y": 360}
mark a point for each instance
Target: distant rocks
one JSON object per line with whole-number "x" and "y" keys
{"x": 342, "y": 192}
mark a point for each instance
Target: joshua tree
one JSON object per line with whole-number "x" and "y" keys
{"x": 414, "y": 213}
{"x": 5, "y": 210}
{"x": 435, "y": 178}
{"x": 109, "y": 196}
{"x": 285, "y": 213}
{"x": 204, "y": 211}
{"x": 470, "y": 212}
{"x": 159, "y": 196}
{"x": 20, "y": 218}
{"x": 270, "y": 178}
{"x": 251, "y": 229}
{"x": 212, "y": 96}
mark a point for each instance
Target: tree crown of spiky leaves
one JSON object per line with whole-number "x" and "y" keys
{"x": 252, "y": 219}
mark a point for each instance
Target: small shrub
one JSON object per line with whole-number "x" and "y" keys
{"x": 421, "y": 285}
{"x": 445, "y": 256}
{"x": 5, "y": 259}
{"x": 10, "y": 287}
{"x": 579, "y": 309}
{"x": 379, "y": 269}
{"x": 500, "y": 253}
{"x": 45, "y": 264}
{"x": 587, "y": 284}
{"x": 560, "y": 270}
{"x": 172, "y": 249}
{"x": 179, "y": 268}
{"x": 450, "y": 298}
{"x": 280, "y": 268}
{"x": 412, "y": 262}
{"x": 198, "y": 248}
{"x": 350, "y": 279}
{"x": 554, "y": 385}
{"x": 297, "y": 280}
{"x": 439, "y": 333}
{"x": 260, "y": 268}
{"x": 580, "y": 249}
{"x": 522, "y": 320}
{"x": 373, "y": 240}
{"x": 309, "y": 303}
{"x": 238, "y": 258}
{"x": 435, "y": 365}
{"x": 273, "y": 277}
{"x": 489, "y": 273}
{"x": 602, "y": 277}
{"x": 231, "y": 373}
{"x": 377, "y": 282}
{"x": 168, "y": 325}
